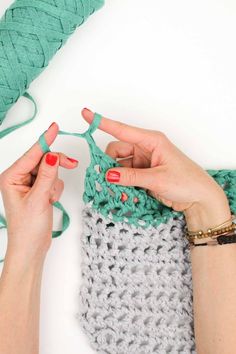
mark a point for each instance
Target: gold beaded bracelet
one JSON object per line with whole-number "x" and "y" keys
{"x": 215, "y": 231}
{"x": 227, "y": 238}
{"x": 211, "y": 233}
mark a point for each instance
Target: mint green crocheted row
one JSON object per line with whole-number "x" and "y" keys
{"x": 138, "y": 208}
{"x": 31, "y": 32}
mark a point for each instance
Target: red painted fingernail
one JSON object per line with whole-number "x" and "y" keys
{"x": 113, "y": 176}
{"x": 51, "y": 125}
{"x": 87, "y": 109}
{"x": 72, "y": 160}
{"x": 51, "y": 159}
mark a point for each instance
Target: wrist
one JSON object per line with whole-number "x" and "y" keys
{"x": 209, "y": 212}
{"x": 21, "y": 262}
{"x": 27, "y": 248}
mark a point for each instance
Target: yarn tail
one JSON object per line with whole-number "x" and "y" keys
{"x": 19, "y": 125}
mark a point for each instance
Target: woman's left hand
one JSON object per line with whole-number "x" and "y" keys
{"x": 29, "y": 187}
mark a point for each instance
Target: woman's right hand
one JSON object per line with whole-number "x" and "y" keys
{"x": 151, "y": 161}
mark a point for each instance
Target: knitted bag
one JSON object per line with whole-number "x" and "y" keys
{"x": 136, "y": 294}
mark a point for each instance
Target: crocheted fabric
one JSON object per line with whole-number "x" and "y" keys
{"x": 136, "y": 295}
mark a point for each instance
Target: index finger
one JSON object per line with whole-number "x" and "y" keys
{"x": 119, "y": 130}
{"x": 32, "y": 157}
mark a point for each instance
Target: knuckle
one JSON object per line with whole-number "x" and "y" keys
{"x": 160, "y": 139}
{"x": 157, "y": 138}
{"x": 45, "y": 173}
{"x": 162, "y": 136}
{"x": 110, "y": 146}
{"x": 131, "y": 176}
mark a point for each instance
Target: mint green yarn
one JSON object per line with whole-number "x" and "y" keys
{"x": 31, "y": 32}
{"x": 147, "y": 211}
{"x": 27, "y": 121}
{"x": 139, "y": 209}
{"x": 45, "y": 148}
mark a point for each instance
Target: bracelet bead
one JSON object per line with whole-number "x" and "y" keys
{"x": 211, "y": 232}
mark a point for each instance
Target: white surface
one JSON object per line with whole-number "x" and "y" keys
{"x": 165, "y": 65}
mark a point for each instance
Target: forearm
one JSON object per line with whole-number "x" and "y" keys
{"x": 20, "y": 285}
{"x": 214, "y": 283}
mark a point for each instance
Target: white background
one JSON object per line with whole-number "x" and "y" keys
{"x": 165, "y": 65}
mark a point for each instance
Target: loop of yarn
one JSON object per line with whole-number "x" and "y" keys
{"x": 31, "y": 32}
{"x": 132, "y": 204}
{"x": 45, "y": 148}
{"x": 27, "y": 121}
{"x": 137, "y": 208}
{"x": 129, "y": 204}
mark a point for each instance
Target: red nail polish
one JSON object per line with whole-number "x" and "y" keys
{"x": 51, "y": 125}
{"x": 87, "y": 109}
{"x": 113, "y": 176}
{"x": 72, "y": 160}
{"x": 51, "y": 159}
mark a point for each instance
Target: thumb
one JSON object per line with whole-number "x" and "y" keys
{"x": 147, "y": 178}
{"x": 47, "y": 174}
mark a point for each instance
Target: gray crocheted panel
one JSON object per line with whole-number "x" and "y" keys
{"x": 136, "y": 293}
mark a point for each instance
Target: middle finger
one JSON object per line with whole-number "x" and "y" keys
{"x": 64, "y": 161}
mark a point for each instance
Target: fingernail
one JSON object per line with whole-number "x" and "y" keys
{"x": 51, "y": 125}
{"x": 87, "y": 109}
{"x": 113, "y": 176}
{"x": 51, "y": 159}
{"x": 72, "y": 160}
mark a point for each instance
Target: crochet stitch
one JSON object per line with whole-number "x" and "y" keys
{"x": 136, "y": 293}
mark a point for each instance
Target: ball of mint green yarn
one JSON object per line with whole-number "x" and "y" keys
{"x": 31, "y": 32}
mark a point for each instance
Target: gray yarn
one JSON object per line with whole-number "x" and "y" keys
{"x": 136, "y": 294}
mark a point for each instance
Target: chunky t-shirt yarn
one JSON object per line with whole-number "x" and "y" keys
{"x": 136, "y": 296}
{"x": 31, "y": 32}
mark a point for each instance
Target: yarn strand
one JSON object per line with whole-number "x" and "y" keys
{"x": 19, "y": 125}
{"x": 45, "y": 148}
{"x": 138, "y": 208}
{"x": 31, "y": 32}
